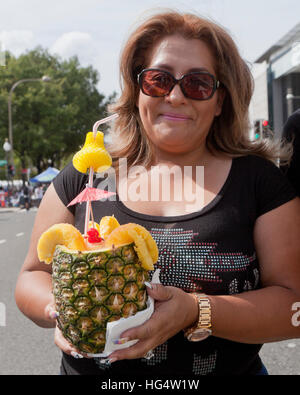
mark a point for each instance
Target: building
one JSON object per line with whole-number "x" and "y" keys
{"x": 277, "y": 82}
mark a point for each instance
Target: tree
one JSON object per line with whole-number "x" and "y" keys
{"x": 51, "y": 119}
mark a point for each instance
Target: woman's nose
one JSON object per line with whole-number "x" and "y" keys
{"x": 176, "y": 96}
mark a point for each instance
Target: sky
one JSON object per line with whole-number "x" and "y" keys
{"x": 95, "y": 30}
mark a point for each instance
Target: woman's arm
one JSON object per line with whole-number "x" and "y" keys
{"x": 34, "y": 288}
{"x": 265, "y": 315}
{"x": 258, "y": 316}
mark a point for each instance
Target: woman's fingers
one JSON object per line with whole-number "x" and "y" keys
{"x": 150, "y": 328}
{"x": 66, "y": 346}
{"x": 174, "y": 310}
{"x": 149, "y": 334}
{"x": 59, "y": 339}
{"x": 159, "y": 292}
{"x": 139, "y": 350}
{"x": 51, "y": 312}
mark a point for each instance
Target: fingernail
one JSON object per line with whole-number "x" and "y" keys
{"x": 54, "y": 314}
{"x": 148, "y": 284}
{"x": 122, "y": 340}
{"x": 76, "y": 355}
{"x": 112, "y": 360}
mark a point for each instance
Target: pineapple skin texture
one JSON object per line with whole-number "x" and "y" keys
{"x": 92, "y": 288}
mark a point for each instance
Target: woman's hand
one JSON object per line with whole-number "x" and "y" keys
{"x": 174, "y": 310}
{"x": 59, "y": 339}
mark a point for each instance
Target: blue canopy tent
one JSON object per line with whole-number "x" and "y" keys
{"x": 46, "y": 176}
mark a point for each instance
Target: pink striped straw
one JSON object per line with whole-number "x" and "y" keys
{"x": 91, "y": 172}
{"x": 104, "y": 120}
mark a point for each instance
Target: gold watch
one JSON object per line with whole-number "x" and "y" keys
{"x": 202, "y": 329}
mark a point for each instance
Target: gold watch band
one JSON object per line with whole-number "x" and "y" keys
{"x": 204, "y": 318}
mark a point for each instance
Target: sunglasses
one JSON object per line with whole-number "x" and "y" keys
{"x": 198, "y": 85}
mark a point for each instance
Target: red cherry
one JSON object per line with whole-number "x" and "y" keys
{"x": 93, "y": 232}
{"x": 93, "y": 236}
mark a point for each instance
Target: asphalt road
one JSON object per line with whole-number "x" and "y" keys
{"x": 26, "y": 349}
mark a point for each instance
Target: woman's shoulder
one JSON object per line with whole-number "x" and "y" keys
{"x": 69, "y": 173}
{"x": 255, "y": 162}
{"x": 257, "y": 169}
{"x": 69, "y": 183}
{"x": 269, "y": 184}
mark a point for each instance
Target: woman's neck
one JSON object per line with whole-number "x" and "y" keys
{"x": 198, "y": 157}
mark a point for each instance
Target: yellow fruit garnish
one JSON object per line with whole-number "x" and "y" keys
{"x": 94, "y": 225}
{"x": 59, "y": 234}
{"x": 145, "y": 245}
{"x": 92, "y": 154}
{"x": 151, "y": 244}
{"x": 107, "y": 225}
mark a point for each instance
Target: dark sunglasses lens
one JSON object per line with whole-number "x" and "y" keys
{"x": 198, "y": 86}
{"x": 156, "y": 83}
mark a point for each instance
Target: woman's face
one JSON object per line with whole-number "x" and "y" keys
{"x": 174, "y": 123}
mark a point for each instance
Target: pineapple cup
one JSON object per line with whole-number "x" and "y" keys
{"x": 94, "y": 287}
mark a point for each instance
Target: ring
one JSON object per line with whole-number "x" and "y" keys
{"x": 149, "y": 355}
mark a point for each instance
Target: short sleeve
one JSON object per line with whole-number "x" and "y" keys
{"x": 273, "y": 189}
{"x": 68, "y": 184}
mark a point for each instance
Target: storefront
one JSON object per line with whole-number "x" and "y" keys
{"x": 280, "y": 75}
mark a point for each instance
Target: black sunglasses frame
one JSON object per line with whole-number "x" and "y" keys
{"x": 178, "y": 81}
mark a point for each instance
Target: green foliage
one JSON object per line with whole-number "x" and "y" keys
{"x": 50, "y": 119}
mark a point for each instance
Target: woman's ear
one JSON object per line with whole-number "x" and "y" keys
{"x": 220, "y": 99}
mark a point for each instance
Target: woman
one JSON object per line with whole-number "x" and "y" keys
{"x": 230, "y": 261}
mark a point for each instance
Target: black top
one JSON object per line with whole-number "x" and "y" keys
{"x": 291, "y": 132}
{"x": 210, "y": 251}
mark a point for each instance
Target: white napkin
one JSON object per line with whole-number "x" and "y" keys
{"x": 115, "y": 328}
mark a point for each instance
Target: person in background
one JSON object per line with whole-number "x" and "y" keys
{"x": 291, "y": 133}
{"x": 38, "y": 194}
{"x": 2, "y": 197}
{"x": 26, "y": 195}
{"x": 229, "y": 263}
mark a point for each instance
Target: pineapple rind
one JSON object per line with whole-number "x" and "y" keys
{"x": 94, "y": 288}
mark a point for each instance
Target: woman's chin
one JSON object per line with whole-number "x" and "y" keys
{"x": 175, "y": 147}
{"x": 172, "y": 136}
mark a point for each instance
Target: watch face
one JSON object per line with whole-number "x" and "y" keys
{"x": 199, "y": 334}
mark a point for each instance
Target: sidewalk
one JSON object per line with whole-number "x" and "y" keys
{"x": 11, "y": 209}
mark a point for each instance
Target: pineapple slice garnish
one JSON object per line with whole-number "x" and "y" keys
{"x": 59, "y": 234}
{"x": 92, "y": 154}
{"x": 107, "y": 225}
{"x": 95, "y": 225}
{"x": 145, "y": 245}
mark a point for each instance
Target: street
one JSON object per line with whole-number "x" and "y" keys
{"x": 26, "y": 349}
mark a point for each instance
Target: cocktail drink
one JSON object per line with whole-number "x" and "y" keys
{"x": 97, "y": 277}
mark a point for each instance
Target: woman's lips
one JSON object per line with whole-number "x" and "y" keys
{"x": 175, "y": 117}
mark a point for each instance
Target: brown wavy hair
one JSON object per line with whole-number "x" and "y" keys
{"x": 229, "y": 132}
